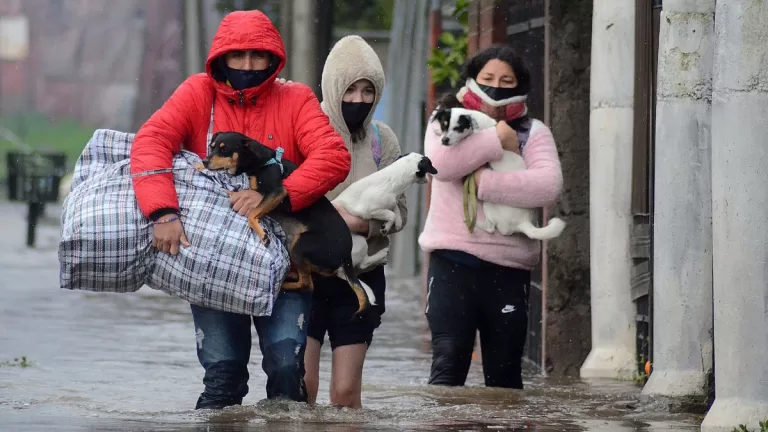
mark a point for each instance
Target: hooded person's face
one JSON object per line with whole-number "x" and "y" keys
{"x": 248, "y": 60}
{"x": 246, "y": 69}
{"x": 357, "y": 103}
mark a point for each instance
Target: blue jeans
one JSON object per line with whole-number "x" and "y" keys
{"x": 224, "y": 348}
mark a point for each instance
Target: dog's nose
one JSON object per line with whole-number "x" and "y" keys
{"x": 205, "y": 162}
{"x": 445, "y": 141}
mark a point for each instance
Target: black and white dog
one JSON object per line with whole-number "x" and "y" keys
{"x": 375, "y": 197}
{"x": 455, "y": 124}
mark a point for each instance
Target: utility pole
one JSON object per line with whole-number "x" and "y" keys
{"x": 323, "y": 39}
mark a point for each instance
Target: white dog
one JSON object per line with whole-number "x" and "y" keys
{"x": 375, "y": 197}
{"x": 455, "y": 124}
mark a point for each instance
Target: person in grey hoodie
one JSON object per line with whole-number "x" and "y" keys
{"x": 352, "y": 84}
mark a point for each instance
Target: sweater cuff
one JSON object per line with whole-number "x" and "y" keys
{"x": 157, "y": 214}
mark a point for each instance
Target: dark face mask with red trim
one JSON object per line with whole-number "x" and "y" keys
{"x": 513, "y": 110}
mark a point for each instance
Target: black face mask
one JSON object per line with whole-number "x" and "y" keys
{"x": 355, "y": 113}
{"x": 245, "y": 79}
{"x": 501, "y": 93}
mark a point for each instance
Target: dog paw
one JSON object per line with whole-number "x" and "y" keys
{"x": 199, "y": 166}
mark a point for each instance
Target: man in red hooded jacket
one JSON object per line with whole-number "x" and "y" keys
{"x": 238, "y": 93}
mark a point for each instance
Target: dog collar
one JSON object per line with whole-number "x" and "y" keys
{"x": 277, "y": 159}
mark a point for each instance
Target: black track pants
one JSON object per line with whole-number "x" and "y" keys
{"x": 466, "y": 295}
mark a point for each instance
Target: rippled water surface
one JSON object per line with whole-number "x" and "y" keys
{"x": 127, "y": 362}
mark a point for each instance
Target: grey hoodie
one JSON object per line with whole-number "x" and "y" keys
{"x": 352, "y": 59}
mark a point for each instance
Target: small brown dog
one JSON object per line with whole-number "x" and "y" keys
{"x": 318, "y": 239}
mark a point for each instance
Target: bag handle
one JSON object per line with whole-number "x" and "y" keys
{"x": 376, "y": 144}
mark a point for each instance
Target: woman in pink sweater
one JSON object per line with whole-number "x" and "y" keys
{"x": 479, "y": 281}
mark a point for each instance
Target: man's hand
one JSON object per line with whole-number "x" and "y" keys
{"x": 168, "y": 233}
{"x": 355, "y": 224}
{"x": 243, "y": 201}
{"x": 282, "y": 80}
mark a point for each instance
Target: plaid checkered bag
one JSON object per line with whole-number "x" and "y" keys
{"x": 106, "y": 242}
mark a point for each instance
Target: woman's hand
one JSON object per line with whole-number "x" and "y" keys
{"x": 508, "y": 137}
{"x": 477, "y": 175}
{"x": 355, "y": 224}
{"x": 243, "y": 201}
{"x": 283, "y": 80}
{"x": 168, "y": 233}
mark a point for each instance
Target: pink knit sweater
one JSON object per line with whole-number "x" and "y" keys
{"x": 538, "y": 186}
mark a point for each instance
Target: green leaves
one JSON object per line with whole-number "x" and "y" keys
{"x": 448, "y": 38}
{"x": 445, "y": 63}
{"x": 462, "y": 12}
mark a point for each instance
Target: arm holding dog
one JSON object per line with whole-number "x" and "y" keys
{"x": 354, "y": 223}
{"x": 539, "y": 185}
{"x": 153, "y": 148}
{"x": 327, "y": 160}
{"x": 455, "y": 162}
{"x": 390, "y": 151}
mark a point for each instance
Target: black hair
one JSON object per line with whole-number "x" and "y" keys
{"x": 475, "y": 64}
{"x": 358, "y": 134}
{"x": 504, "y": 53}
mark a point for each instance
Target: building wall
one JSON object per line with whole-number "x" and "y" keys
{"x": 568, "y": 323}
{"x": 89, "y": 60}
{"x": 566, "y": 104}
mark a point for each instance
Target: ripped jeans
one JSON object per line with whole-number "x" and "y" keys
{"x": 224, "y": 349}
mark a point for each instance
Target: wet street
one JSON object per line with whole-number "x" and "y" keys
{"x": 127, "y": 362}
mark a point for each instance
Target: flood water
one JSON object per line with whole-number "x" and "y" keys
{"x": 127, "y": 362}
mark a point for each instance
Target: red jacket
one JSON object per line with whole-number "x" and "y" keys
{"x": 285, "y": 115}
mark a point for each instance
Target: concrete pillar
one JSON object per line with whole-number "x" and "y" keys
{"x": 682, "y": 248}
{"x": 610, "y": 185}
{"x": 286, "y": 31}
{"x": 193, "y": 43}
{"x": 739, "y": 208}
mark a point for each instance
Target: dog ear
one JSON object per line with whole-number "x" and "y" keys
{"x": 442, "y": 115}
{"x": 463, "y": 123}
{"x": 213, "y": 137}
{"x": 261, "y": 152}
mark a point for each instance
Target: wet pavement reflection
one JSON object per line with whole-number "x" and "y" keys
{"x": 126, "y": 362}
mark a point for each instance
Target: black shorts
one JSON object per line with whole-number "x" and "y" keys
{"x": 333, "y": 310}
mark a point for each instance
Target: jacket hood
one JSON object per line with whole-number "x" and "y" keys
{"x": 351, "y": 59}
{"x": 242, "y": 31}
